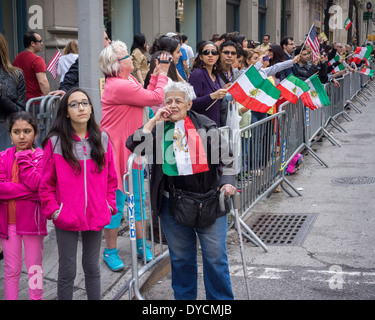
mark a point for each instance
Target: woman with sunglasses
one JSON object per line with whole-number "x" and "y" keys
{"x": 205, "y": 80}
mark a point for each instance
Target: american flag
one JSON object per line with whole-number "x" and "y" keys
{"x": 313, "y": 41}
{"x": 52, "y": 66}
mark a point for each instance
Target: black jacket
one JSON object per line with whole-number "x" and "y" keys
{"x": 304, "y": 72}
{"x": 12, "y": 94}
{"x": 221, "y": 171}
{"x": 71, "y": 79}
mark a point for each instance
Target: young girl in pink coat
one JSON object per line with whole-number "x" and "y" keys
{"x": 21, "y": 218}
{"x": 77, "y": 190}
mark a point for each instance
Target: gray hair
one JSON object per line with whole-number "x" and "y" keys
{"x": 183, "y": 87}
{"x": 108, "y": 59}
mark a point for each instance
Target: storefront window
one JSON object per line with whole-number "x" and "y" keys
{"x": 179, "y": 15}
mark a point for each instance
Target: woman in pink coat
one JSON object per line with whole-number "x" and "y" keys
{"x": 123, "y": 103}
{"x": 21, "y": 217}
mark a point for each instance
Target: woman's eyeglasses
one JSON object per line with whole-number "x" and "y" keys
{"x": 124, "y": 58}
{"x": 208, "y": 52}
{"x": 75, "y": 105}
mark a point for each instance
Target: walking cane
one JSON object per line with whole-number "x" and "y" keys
{"x": 235, "y": 204}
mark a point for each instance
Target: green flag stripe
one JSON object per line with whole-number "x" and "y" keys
{"x": 298, "y": 82}
{"x": 320, "y": 90}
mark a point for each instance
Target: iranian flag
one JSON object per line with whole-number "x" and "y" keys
{"x": 367, "y": 72}
{"x": 334, "y": 60}
{"x": 184, "y": 153}
{"x": 292, "y": 88}
{"x": 317, "y": 96}
{"x": 254, "y": 92}
{"x": 361, "y": 53}
{"x": 348, "y": 24}
{"x": 339, "y": 68}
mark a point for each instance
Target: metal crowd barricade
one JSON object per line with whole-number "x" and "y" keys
{"x": 337, "y": 107}
{"x": 261, "y": 169}
{"x": 297, "y": 137}
{"x": 44, "y": 109}
{"x": 133, "y": 284}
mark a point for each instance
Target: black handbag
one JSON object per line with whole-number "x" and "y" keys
{"x": 195, "y": 210}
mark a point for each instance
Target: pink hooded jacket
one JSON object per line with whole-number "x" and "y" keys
{"x": 29, "y": 219}
{"x": 78, "y": 201}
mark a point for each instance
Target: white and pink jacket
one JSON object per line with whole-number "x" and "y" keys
{"x": 29, "y": 220}
{"x": 78, "y": 201}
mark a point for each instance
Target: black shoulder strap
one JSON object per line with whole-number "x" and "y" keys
{"x": 224, "y": 78}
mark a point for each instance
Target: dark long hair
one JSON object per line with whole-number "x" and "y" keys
{"x": 63, "y": 130}
{"x": 139, "y": 41}
{"x": 278, "y": 56}
{"x": 26, "y": 116}
{"x": 198, "y": 63}
{"x": 163, "y": 43}
{"x": 172, "y": 72}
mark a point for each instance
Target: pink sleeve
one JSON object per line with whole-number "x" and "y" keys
{"x": 10, "y": 190}
{"x": 30, "y": 169}
{"x": 47, "y": 187}
{"x": 134, "y": 94}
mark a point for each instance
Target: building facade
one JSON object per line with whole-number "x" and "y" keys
{"x": 57, "y": 20}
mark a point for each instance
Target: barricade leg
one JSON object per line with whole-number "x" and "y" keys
{"x": 330, "y": 138}
{"x": 339, "y": 127}
{"x": 353, "y": 106}
{"x": 133, "y": 284}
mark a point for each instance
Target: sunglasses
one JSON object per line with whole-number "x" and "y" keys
{"x": 208, "y": 52}
{"x": 227, "y": 53}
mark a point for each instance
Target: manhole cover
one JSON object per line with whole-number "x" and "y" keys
{"x": 354, "y": 180}
{"x": 282, "y": 229}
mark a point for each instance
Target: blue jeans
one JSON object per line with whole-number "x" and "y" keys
{"x": 183, "y": 253}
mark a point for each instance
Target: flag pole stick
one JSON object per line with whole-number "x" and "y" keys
{"x": 212, "y": 104}
{"x": 304, "y": 44}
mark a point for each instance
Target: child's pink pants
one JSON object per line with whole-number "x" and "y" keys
{"x": 12, "y": 248}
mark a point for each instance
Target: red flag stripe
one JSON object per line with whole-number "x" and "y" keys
{"x": 196, "y": 150}
{"x": 247, "y": 101}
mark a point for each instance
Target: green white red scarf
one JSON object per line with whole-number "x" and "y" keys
{"x": 183, "y": 149}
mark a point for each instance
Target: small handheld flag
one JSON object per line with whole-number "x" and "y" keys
{"x": 348, "y": 24}
{"x": 367, "y": 72}
{"x": 254, "y": 92}
{"x": 52, "y": 66}
{"x": 313, "y": 41}
{"x": 361, "y": 53}
{"x": 317, "y": 96}
{"x": 339, "y": 68}
{"x": 293, "y": 88}
{"x": 334, "y": 60}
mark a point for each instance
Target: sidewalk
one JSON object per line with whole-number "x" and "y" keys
{"x": 335, "y": 261}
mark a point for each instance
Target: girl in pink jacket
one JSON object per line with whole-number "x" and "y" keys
{"x": 77, "y": 190}
{"x": 21, "y": 218}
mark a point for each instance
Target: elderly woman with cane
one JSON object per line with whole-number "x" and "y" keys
{"x": 192, "y": 166}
